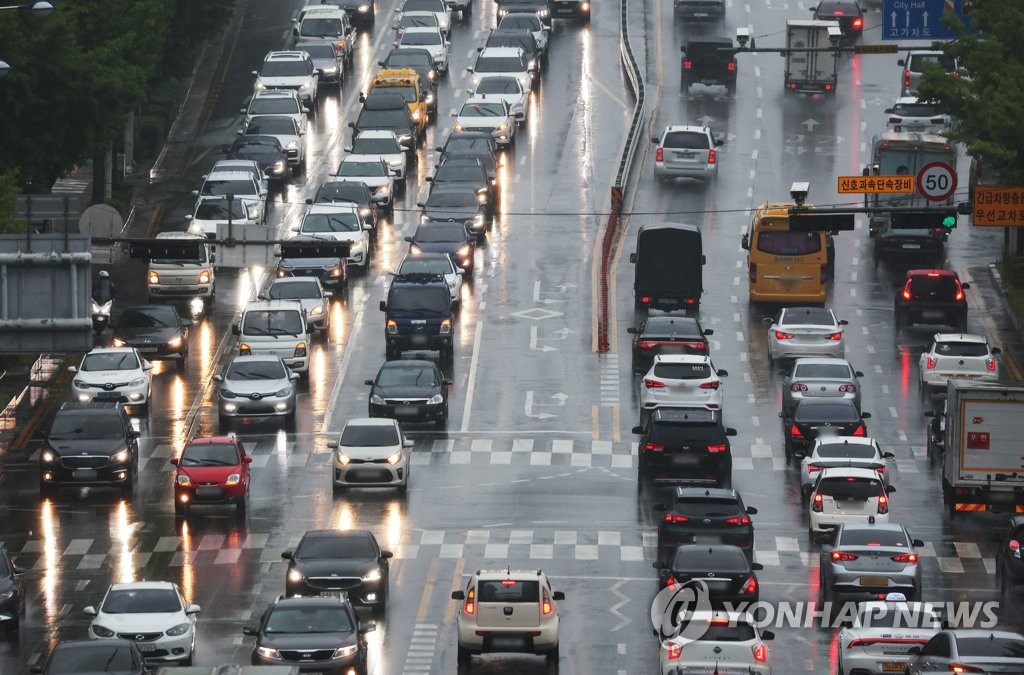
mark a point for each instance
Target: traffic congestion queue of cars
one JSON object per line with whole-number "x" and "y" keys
{"x": 93, "y": 442}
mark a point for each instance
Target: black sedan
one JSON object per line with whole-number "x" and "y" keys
{"x": 80, "y": 657}
{"x": 12, "y": 592}
{"x": 667, "y": 334}
{"x": 457, "y": 203}
{"x": 812, "y": 419}
{"x": 452, "y": 237}
{"x": 469, "y": 142}
{"x": 725, "y": 570}
{"x": 316, "y": 634}
{"x": 354, "y": 191}
{"x": 155, "y": 331}
{"x": 848, "y": 13}
{"x": 266, "y": 151}
{"x": 468, "y": 174}
{"x": 706, "y": 516}
{"x": 484, "y": 156}
{"x": 410, "y": 391}
{"x": 329, "y": 561}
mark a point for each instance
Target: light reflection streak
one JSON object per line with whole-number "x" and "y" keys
{"x": 121, "y": 533}
{"x": 205, "y": 337}
{"x": 394, "y": 526}
{"x": 318, "y": 385}
{"x": 178, "y": 409}
{"x": 337, "y": 330}
{"x": 188, "y": 573}
{"x": 50, "y": 531}
{"x": 346, "y": 517}
{"x": 585, "y": 99}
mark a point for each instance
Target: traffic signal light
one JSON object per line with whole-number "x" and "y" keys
{"x": 926, "y": 219}
{"x": 820, "y": 222}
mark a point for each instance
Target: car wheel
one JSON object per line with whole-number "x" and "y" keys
{"x": 289, "y": 421}
{"x": 789, "y": 450}
{"x": 442, "y": 421}
{"x": 188, "y": 661}
{"x": 242, "y": 505}
{"x": 337, "y": 489}
{"x": 552, "y": 660}
{"x": 464, "y": 658}
{"x": 223, "y": 423}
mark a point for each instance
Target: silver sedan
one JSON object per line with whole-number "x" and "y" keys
{"x": 820, "y": 378}
{"x": 256, "y": 386}
{"x": 805, "y": 331}
{"x": 862, "y": 561}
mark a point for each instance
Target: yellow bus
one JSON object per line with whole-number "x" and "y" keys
{"x": 785, "y": 266}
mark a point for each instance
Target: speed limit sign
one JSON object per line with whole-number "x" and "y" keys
{"x": 936, "y": 181}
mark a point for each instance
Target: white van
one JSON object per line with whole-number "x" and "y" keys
{"x": 276, "y": 327}
{"x": 182, "y": 276}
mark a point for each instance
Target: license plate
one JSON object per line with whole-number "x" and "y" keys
{"x": 706, "y": 539}
{"x": 686, "y": 460}
{"x": 108, "y": 396}
{"x": 507, "y": 643}
{"x": 406, "y": 410}
{"x": 84, "y": 474}
{"x": 874, "y": 581}
{"x": 666, "y": 300}
{"x": 143, "y": 647}
{"x": 932, "y": 315}
{"x": 891, "y": 667}
{"x": 686, "y": 155}
{"x": 419, "y": 340}
{"x": 912, "y": 247}
{"x": 961, "y": 377}
{"x": 146, "y": 350}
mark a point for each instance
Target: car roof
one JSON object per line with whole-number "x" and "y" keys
{"x": 338, "y": 534}
{"x": 237, "y": 174}
{"x": 276, "y": 93}
{"x": 960, "y": 337}
{"x": 848, "y": 440}
{"x": 401, "y": 363}
{"x": 291, "y": 280}
{"x": 812, "y": 402}
{"x": 377, "y": 133}
{"x": 688, "y": 322}
{"x": 700, "y": 553}
{"x": 712, "y": 493}
{"x": 310, "y": 601}
{"x": 683, "y": 227}
{"x": 214, "y": 440}
{"x": 90, "y": 406}
{"x": 111, "y": 350}
{"x": 371, "y": 422}
{"x": 501, "y": 51}
{"x": 421, "y": 29}
{"x": 849, "y": 472}
{"x": 682, "y": 358}
{"x": 872, "y": 527}
{"x": 687, "y": 127}
{"x": 521, "y": 575}
{"x": 731, "y": 616}
{"x": 984, "y": 633}
{"x": 292, "y": 55}
{"x": 142, "y": 585}
{"x": 520, "y": 15}
{"x": 247, "y": 358}
{"x": 113, "y": 643}
{"x": 263, "y": 305}
{"x": 882, "y": 606}
{"x": 426, "y": 255}
{"x": 820, "y": 360}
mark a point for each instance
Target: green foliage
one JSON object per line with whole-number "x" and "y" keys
{"x": 988, "y": 101}
{"x": 8, "y": 191}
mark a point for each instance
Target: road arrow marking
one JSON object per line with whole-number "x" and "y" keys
{"x": 533, "y": 342}
{"x": 810, "y": 124}
{"x": 560, "y": 397}
{"x": 531, "y": 413}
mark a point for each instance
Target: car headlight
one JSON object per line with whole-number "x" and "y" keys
{"x": 268, "y": 653}
{"x": 503, "y": 126}
{"x": 6, "y": 595}
{"x": 137, "y": 382}
{"x": 481, "y": 198}
{"x": 175, "y": 342}
{"x": 343, "y": 458}
{"x": 436, "y": 399}
{"x": 233, "y": 479}
{"x": 374, "y": 575}
{"x": 413, "y": 248}
{"x": 416, "y": 116}
{"x": 532, "y": 63}
{"x": 432, "y": 75}
{"x": 48, "y": 456}
{"x": 335, "y": 272}
{"x": 101, "y": 631}
{"x": 154, "y": 279}
{"x": 374, "y": 399}
{"x": 429, "y": 99}
{"x": 118, "y": 342}
{"x": 463, "y": 250}
{"x": 365, "y": 213}
{"x": 317, "y": 311}
{"x": 384, "y": 189}
{"x": 345, "y": 651}
{"x": 204, "y": 277}
{"x": 458, "y": 127}
{"x": 292, "y": 145}
{"x": 478, "y": 220}
{"x": 306, "y": 86}
{"x": 295, "y": 575}
{"x": 330, "y": 70}
{"x": 260, "y": 85}
{"x": 585, "y": 6}
{"x": 364, "y": 8}
{"x": 446, "y": 327}
{"x": 405, "y": 138}
{"x": 543, "y": 12}
{"x": 395, "y": 458}
{"x": 180, "y": 629}
{"x": 119, "y": 457}
{"x": 279, "y": 165}
{"x": 281, "y": 393}
{"x": 184, "y": 480}
{"x": 81, "y": 385}
{"x": 397, "y": 164}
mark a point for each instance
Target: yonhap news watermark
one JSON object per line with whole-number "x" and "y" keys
{"x": 687, "y": 613}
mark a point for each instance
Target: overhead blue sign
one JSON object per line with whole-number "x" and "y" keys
{"x": 921, "y": 19}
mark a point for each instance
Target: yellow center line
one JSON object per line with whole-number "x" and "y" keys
{"x": 428, "y": 591}
{"x": 1006, "y": 358}
{"x": 449, "y": 613}
{"x": 622, "y": 104}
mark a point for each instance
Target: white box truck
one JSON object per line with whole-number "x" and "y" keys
{"x": 983, "y": 463}
{"x": 811, "y": 72}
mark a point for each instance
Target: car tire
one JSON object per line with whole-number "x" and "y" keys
{"x": 188, "y": 662}
{"x": 899, "y": 322}
{"x": 789, "y": 450}
{"x": 223, "y": 424}
{"x": 289, "y": 421}
{"x": 552, "y": 658}
{"x": 464, "y": 659}
{"x": 337, "y": 489}
{"x": 441, "y": 423}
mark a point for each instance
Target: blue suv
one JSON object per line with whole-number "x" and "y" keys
{"x": 418, "y": 315}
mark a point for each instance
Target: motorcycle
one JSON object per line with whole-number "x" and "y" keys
{"x": 101, "y": 316}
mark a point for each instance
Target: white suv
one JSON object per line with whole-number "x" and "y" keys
{"x": 508, "y": 611}
{"x": 289, "y": 70}
{"x": 733, "y": 642}
{"x": 957, "y": 356}
{"x": 686, "y": 152}
{"x": 848, "y": 495}
{"x": 275, "y": 102}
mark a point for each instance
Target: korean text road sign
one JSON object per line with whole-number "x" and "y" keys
{"x": 922, "y": 19}
{"x": 876, "y": 184}
{"x": 999, "y": 206}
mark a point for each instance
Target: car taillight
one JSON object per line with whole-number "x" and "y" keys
{"x": 659, "y": 155}
{"x": 961, "y": 668}
{"x": 990, "y": 365}
{"x": 779, "y": 335}
{"x": 907, "y": 295}
{"x": 906, "y": 80}
{"x": 858, "y": 22}
{"x": 753, "y": 272}
{"x": 880, "y": 470}
{"x": 817, "y": 503}
{"x": 675, "y": 518}
{"x": 938, "y": 120}
{"x": 750, "y": 587}
{"x": 840, "y": 556}
{"x": 796, "y": 386}
{"x": 931, "y": 362}
{"x": 718, "y": 448}
{"x": 814, "y": 468}
{"x": 959, "y": 291}
{"x": 712, "y": 156}
{"x": 645, "y": 344}
{"x": 905, "y": 558}
{"x": 731, "y": 66}
{"x": 848, "y": 388}
{"x": 687, "y": 64}
{"x": 470, "y": 606}
{"x": 715, "y": 384}
{"x": 738, "y": 520}
{"x": 674, "y": 651}
{"x": 795, "y": 432}
{"x": 546, "y": 606}
{"x": 671, "y": 584}
{"x": 883, "y": 504}
{"x": 646, "y": 299}
{"x": 760, "y": 653}
{"x": 654, "y": 447}
{"x": 860, "y": 431}
{"x": 895, "y": 120}
{"x": 654, "y": 384}
{"x": 836, "y": 336}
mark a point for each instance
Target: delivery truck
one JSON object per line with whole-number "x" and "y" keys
{"x": 983, "y": 462}
{"x": 812, "y": 72}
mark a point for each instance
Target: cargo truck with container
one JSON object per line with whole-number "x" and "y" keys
{"x": 983, "y": 461}
{"x": 815, "y": 71}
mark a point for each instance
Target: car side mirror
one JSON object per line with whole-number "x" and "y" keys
{"x": 633, "y": 331}
{"x": 449, "y": 382}
{"x": 997, "y": 350}
{"x": 889, "y": 489}
{"x": 193, "y": 609}
{"x": 236, "y": 329}
{"x": 367, "y": 627}
{"x": 638, "y": 371}
{"x": 655, "y": 139}
{"x": 408, "y": 444}
{"x": 858, "y": 373}
{"x": 386, "y": 555}
{"x": 637, "y": 430}
{"x": 286, "y": 555}
{"x": 469, "y": 70}
{"x": 757, "y": 567}
{"x": 719, "y": 142}
{"x": 429, "y": 179}
{"x": 729, "y": 431}
{"x": 383, "y": 306}
{"x": 351, "y": 125}
{"x": 368, "y": 382}
{"x": 888, "y": 455}
{"x": 889, "y": 111}
{"x": 195, "y": 193}
{"x": 901, "y": 62}
{"x": 709, "y": 331}
{"x": 917, "y": 542}
{"x": 558, "y": 595}
{"x": 632, "y": 258}
{"x": 658, "y": 565}
{"x": 134, "y": 433}
{"x": 767, "y": 635}
{"x": 866, "y": 415}
{"x": 247, "y": 459}
{"x": 767, "y": 321}
{"x": 186, "y": 323}
{"x": 458, "y": 595}
{"x": 823, "y": 538}
{"x": 722, "y": 372}
{"x": 745, "y": 242}
{"x": 89, "y": 611}
{"x": 72, "y": 369}
{"x": 241, "y": 110}
{"x": 966, "y": 287}
{"x": 174, "y": 461}
{"x": 218, "y": 378}
{"x": 844, "y": 322}
{"x": 751, "y": 511}
{"x": 249, "y": 630}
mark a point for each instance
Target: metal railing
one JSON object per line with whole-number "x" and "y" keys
{"x": 636, "y": 81}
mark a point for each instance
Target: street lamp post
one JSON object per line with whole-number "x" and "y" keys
{"x": 38, "y": 8}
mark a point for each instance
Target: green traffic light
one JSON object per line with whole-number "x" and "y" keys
{"x": 949, "y": 222}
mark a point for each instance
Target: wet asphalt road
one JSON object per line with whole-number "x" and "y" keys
{"x": 537, "y": 468}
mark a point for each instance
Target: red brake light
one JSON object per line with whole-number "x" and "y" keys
{"x": 860, "y": 431}
{"x": 718, "y": 448}
{"x": 687, "y": 64}
{"x": 836, "y": 336}
{"x": 546, "y": 606}
{"x": 959, "y": 291}
{"x": 760, "y": 653}
{"x": 654, "y": 447}
{"x": 848, "y": 388}
{"x": 960, "y": 668}
{"x": 731, "y": 66}
{"x": 906, "y": 291}
{"x": 646, "y": 299}
{"x": 933, "y": 275}
{"x": 990, "y": 365}
{"x": 858, "y": 22}
{"x": 880, "y": 470}
{"x": 654, "y": 384}
{"x": 813, "y": 468}
{"x": 779, "y": 335}
{"x": 817, "y": 503}
{"x": 795, "y": 432}
{"x": 883, "y": 504}
{"x": 659, "y": 155}
{"x": 738, "y": 520}
{"x": 675, "y": 518}
{"x": 715, "y": 383}
{"x": 796, "y": 386}
{"x": 508, "y": 582}
{"x": 905, "y": 558}
{"x": 895, "y": 120}
{"x": 931, "y": 362}
{"x": 718, "y": 622}
{"x": 470, "y": 606}
{"x": 840, "y": 556}
{"x": 938, "y": 120}
{"x": 828, "y": 87}
{"x": 674, "y": 651}
{"x": 750, "y": 587}
{"x": 712, "y": 156}
{"x": 645, "y": 344}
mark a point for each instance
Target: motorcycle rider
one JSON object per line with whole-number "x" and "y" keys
{"x": 104, "y": 290}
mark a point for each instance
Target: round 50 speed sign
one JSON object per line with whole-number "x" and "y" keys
{"x": 936, "y": 181}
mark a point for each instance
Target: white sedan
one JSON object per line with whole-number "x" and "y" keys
{"x": 375, "y": 173}
{"x": 214, "y": 210}
{"x": 909, "y": 114}
{"x": 285, "y": 129}
{"x": 338, "y": 221}
{"x": 838, "y": 451}
{"x": 681, "y": 381}
{"x": 372, "y": 452}
{"x": 113, "y": 374}
{"x": 379, "y": 144}
{"x": 429, "y": 38}
{"x": 504, "y": 88}
{"x": 805, "y": 331}
{"x": 732, "y": 642}
{"x": 957, "y": 356}
{"x": 488, "y": 115}
{"x": 883, "y": 633}
{"x": 153, "y": 614}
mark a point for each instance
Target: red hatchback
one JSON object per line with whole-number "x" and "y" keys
{"x": 212, "y": 470}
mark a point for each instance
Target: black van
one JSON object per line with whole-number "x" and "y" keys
{"x": 669, "y": 263}
{"x": 418, "y": 315}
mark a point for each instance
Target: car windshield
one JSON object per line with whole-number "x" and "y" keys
{"x": 373, "y": 436}
{"x": 441, "y": 232}
{"x": 141, "y": 601}
{"x": 397, "y": 118}
{"x": 520, "y": 23}
{"x": 961, "y": 349}
{"x": 500, "y": 64}
{"x": 407, "y": 93}
{"x": 403, "y": 58}
{"x": 233, "y": 187}
{"x": 810, "y": 316}
{"x": 892, "y": 616}
{"x": 271, "y": 125}
{"x": 217, "y": 209}
{"x": 255, "y": 370}
{"x": 447, "y": 199}
{"x": 417, "y": 38}
{"x": 845, "y": 451}
{"x": 668, "y": 434}
{"x": 466, "y": 145}
{"x": 789, "y": 243}
{"x": 287, "y": 68}
{"x": 428, "y": 266}
{"x": 378, "y": 146}
{"x": 725, "y": 559}
{"x": 726, "y": 631}
{"x": 210, "y": 454}
{"x": 918, "y": 110}
{"x": 362, "y": 169}
{"x": 162, "y": 317}
{"x": 334, "y": 547}
{"x": 318, "y": 50}
{"x": 87, "y": 427}
{"x": 682, "y": 371}
{"x": 95, "y": 657}
{"x": 321, "y": 27}
{"x": 253, "y": 143}
{"x": 990, "y": 646}
{"x": 274, "y": 105}
{"x": 308, "y": 620}
{"x": 423, "y": 6}
{"x": 483, "y": 110}
{"x": 407, "y": 376}
{"x": 342, "y": 191}
{"x": 199, "y": 258}
{"x": 345, "y": 221}
{"x": 295, "y": 290}
{"x": 499, "y": 85}
{"x": 110, "y": 361}
{"x": 272, "y": 322}
{"x": 833, "y": 371}
{"x": 917, "y": 61}
{"x": 420, "y": 300}
{"x": 508, "y": 590}
{"x": 853, "y": 488}
{"x": 832, "y": 412}
{"x": 690, "y": 140}
{"x": 422, "y": 21}
{"x": 459, "y": 173}
{"x": 873, "y": 537}
{"x": 707, "y": 506}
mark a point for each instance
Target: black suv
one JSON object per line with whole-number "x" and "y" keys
{"x": 333, "y": 561}
{"x": 90, "y": 444}
{"x": 313, "y": 633}
{"x": 688, "y": 446}
{"x": 12, "y": 591}
{"x": 387, "y": 112}
{"x": 418, "y": 315}
{"x": 410, "y": 391}
{"x": 706, "y": 516}
{"x": 571, "y": 9}
{"x": 931, "y": 297}
{"x": 705, "y": 62}
{"x": 667, "y": 335}
{"x": 812, "y": 418}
